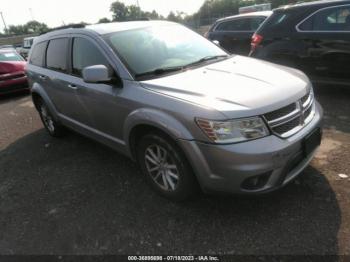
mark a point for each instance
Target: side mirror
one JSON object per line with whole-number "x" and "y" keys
{"x": 216, "y": 42}
{"x": 96, "y": 74}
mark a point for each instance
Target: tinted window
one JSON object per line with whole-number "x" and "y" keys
{"x": 38, "y": 53}
{"x": 10, "y": 56}
{"x": 80, "y": 59}
{"x": 246, "y": 24}
{"x": 256, "y": 22}
{"x": 57, "y": 54}
{"x": 277, "y": 20}
{"x": 330, "y": 19}
{"x": 235, "y": 25}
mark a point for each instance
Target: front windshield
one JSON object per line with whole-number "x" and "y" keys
{"x": 10, "y": 56}
{"x": 161, "y": 46}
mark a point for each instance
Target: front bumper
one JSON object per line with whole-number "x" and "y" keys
{"x": 226, "y": 168}
{"x": 13, "y": 82}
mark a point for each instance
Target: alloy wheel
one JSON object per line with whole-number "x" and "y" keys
{"x": 162, "y": 167}
{"x": 47, "y": 119}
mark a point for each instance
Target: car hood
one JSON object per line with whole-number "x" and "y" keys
{"x": 11, "y": 67}
{"x": 237, "y": 87}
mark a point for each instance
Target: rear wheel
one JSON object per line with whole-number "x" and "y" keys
{"x": 165, "y": 167}
{"x": 51, "y": 125}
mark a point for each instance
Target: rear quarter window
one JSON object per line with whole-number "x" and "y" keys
{"x": 56, "y": 56}
{"x": 277, "y": 21}
{"x": 38, "y": 54}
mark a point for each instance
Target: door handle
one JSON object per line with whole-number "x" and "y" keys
{"x": 73, "y": 86}
{"x": 42, "y": 77}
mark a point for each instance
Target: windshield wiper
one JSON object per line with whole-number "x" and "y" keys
{"x": 207, "y": 58}
{"x": 160, "y": 71}
{"x": 165, "y": 70}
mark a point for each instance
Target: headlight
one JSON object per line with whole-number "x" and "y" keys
{"x": 233, "y": 131}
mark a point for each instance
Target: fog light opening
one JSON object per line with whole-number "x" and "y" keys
{"x": 256, "y": 182}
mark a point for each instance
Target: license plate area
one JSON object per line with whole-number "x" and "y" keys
{"x": 312, "y": 141}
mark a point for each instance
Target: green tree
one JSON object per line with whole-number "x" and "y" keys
{"x": 104, "y": 20}
{"x": 28, "y": 28}
{"x": 36, "y": 27}
{"x": 178, "y": 17}
{"x": 122, "y": 12}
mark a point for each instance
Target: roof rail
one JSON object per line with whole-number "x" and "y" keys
{"x": 64, "y": 27}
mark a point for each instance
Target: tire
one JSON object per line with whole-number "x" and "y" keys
{"x": 54, "y": 128}
{"x": 165, "y": 167}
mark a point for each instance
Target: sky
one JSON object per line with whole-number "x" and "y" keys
{"x": 56, "y": 12}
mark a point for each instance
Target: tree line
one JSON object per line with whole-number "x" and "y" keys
{"x": 211, "y": 9}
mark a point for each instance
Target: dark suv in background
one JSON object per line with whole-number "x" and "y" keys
{"x": 313, "y": 37}
{"x": 234, "y": 33}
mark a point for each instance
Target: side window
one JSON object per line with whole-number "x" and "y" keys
{"x": 235, "y": 25}
{"x": 330, "y": 19}
{"x": 80, "y": 59}
{"x": 38, "y": 54}
{"x": 56, "y": 55}
{"x": 255, "y": 22}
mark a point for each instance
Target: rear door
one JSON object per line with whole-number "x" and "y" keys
{"x": 57, "y": 82}
{"x": 235, "y": 35}
{"x": 327, "y": 34}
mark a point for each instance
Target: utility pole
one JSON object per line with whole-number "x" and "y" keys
{"x": 31, "y": 14}
{"x": 138, "y": 3}
{"x": 3, "y": 20}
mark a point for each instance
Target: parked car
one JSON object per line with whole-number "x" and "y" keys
{"x": 234, "y": 33}
{"x": 313, "y": 37}
{"x": 184, "y": 109}
{"x": 7, "y": 47}
{"x": 12, "y": 75}
{"x": 27, "y": 45}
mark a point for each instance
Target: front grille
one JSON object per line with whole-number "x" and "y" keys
{"x": 12, "y": 76}
{"x": 290, "y": 119}
{"x": 290, "y": 125}
{"x": 280, "y": 112}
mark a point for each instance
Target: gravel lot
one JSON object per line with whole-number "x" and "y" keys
{"x": 74, "y": 196}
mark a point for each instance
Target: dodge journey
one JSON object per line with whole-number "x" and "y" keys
{"x": 191, "y": 115}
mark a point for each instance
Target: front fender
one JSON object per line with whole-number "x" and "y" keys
{"x": 158, "y": 119}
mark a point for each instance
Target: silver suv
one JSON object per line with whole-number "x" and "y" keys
{"x": 191, "y": 115}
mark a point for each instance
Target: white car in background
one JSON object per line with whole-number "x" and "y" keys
{"x": 27, "y": 45}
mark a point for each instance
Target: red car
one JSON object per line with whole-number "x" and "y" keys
{"x": 12, "y": 74}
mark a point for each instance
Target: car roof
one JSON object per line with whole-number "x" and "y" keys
{"x": 259, "y": 13}
{"x": 315, "y": 4}
{"x": 107, "y": 28}
{"x": 102, "y": 29}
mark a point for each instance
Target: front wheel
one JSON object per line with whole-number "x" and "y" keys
{"x": 165, "y": 167}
